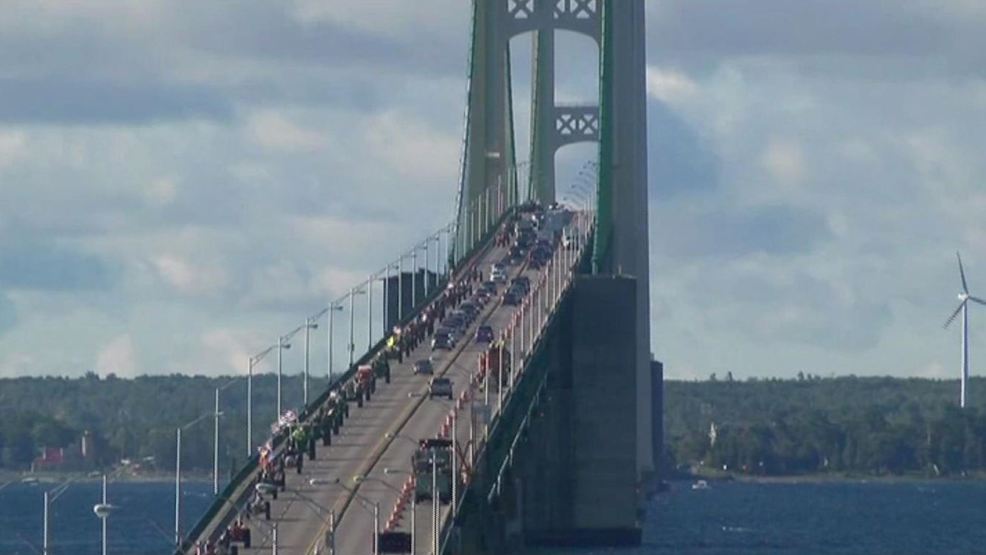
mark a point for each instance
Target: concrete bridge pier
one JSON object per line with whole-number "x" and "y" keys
{"x": 574, "y": 477}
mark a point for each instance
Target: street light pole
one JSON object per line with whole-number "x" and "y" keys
{"x": 332, "y": 528}
{"x": 376, "y": 528}
{"x": 369, "y": 311}
{"x": 249, "y": 408}
{"x": 280, "y": 351}
{"x": 215, "y": 448}
{"x": 44, "y": 537}
{"x": 178, "y": 489}
{"x": 352, "y": 320}
{"x": 414, "y": 277}
{"x": 304, "y": 383}
{"x": 434, "y": 502}
{"x": 427, "y": 260}
{"x": 103, "y": 518}
{"x": 455, "y": 464}
{"x": 333, "y": 307}
{"x": 386, "y": 301}
{"x": 400, "y": 289}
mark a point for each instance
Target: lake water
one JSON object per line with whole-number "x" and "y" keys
{"x": 143, "y": 525}
{"x": 843, "y": 518}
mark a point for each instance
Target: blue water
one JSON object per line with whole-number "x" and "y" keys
{"x": 848, "y": 518}
{"x": 144, "y": 524}
{"x": 841, "y": 518}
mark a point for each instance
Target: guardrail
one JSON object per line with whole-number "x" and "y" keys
{"x": 516, "y": 414}
{"x": 231, "y": 501}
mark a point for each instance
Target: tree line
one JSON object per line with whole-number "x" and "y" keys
{"x": 137, "y": 418}
{"x": 810, "y": 425}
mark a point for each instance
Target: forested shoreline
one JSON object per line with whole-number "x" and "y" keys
{"x": 135, "y": 419}
{"x": 804, "y": 426}
{"x": 811, "y": 425}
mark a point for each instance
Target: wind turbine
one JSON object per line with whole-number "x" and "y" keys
{"x": 964, "y": 298}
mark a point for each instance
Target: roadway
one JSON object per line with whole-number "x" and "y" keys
{"x": 381, "y": 435}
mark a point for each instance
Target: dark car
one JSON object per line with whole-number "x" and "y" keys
{"x": 455, "y": 321}
{"x": 522, "y": 282}
{"x": 440, "y": 387}
{"x": 484, "y": 334}
{"x": 544, "y": 253}
{"x": 469, "y": 308}
{"x": 489, "y": 287}
{"x": 423, "y": 366}
{"x": 442, "y": 342}
{"x": 512, "y": 298}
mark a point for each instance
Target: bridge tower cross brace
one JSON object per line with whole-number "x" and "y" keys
{"x": 618, "y": 124}
{"x": 489, "y": 155}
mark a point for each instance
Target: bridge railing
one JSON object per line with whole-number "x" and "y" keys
{"x": 524, "y": 334}
{"x": 232, "y": 498}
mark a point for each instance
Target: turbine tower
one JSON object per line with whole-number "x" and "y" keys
{"x": 964, "y": 298}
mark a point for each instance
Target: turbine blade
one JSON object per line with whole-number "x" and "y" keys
{"x": 977, "y": 300}
{"x": 962, "y": 273}
{"x": 954, "y": 314}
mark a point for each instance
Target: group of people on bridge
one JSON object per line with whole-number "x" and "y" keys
{"x": 299, "y": 438}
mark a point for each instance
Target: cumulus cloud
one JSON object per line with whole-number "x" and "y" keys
{"x": 276, "y": 132}
{"x": 187, "y": 277}
{"x": 12, "y": 147}
{"x": 783, "y": 161}
{"x": 8, "y": 313}
{"x": 669, "y": 85}
{"x": 46, "y": 266}
{"x": 118, "y": 357}
{"x": 223, "y": 172}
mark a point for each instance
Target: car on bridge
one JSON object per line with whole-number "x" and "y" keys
{"x": 484, "y": 334}
{"x": 423, "y": 366}
{"x": 513, "y": 297}
{"x": 455, "y": 334}
{"x": 471, "y": 309}
{"x": 433, "y": 462}
{"x": 490, "y": 286}
{"x": 442, "y": 342}
{"x": 440, "y": 387}
{"x": 455, "y": 321}
{"x": 523, "y": 283}
{"x": 498, "y": 272}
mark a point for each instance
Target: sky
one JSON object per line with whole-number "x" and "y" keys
{"x": 181, "y": 182}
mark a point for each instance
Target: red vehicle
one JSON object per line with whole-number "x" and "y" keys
{"x": 490, "y": 362}
{"x": 364, "y": 374}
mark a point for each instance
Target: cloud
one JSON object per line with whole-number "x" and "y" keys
{"x": 275, "y": 132}
{"x": 736, "y": 232}
{"x": 669, "y": 85}
{"x": 42, "y": 266}
{"x": 783, "y": 161}
{"x": 8, "y": 313}
{"x": 12, "y": 147}
{"x": 59, "y": 100}
{"x": 681, "y": 161}
{"x": 229, "y": 348}
{"x": 161, "y": 191}
{"x": 118, "y": 357}
{"x": 187, "y": 277}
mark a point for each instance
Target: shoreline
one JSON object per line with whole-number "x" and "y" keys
{"x": 826, "y": 478}
{"x": 11, "y": 477}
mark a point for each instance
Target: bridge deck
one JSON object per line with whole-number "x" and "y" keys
{"x": 382, "y": 434}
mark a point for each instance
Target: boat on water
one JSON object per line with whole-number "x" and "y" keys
{"x": 701, "y": 484}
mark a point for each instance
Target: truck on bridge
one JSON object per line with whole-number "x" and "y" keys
{"x": 433, "y": 462}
